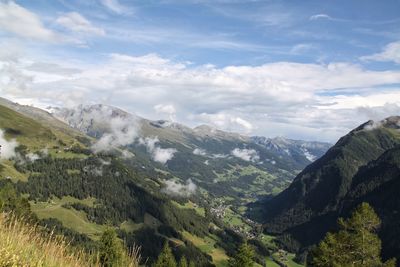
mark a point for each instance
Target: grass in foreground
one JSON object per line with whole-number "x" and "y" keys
{"x": 22, "y": 244}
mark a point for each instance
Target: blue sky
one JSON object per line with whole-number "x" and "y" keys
{"x": 234, "y": 32}
{"x": 303, "y": 69}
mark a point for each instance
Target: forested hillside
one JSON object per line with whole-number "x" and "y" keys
{"x": 363, "y": 166}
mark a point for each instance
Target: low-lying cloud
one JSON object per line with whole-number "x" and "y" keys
{"x": 122, "y": 132}
{"x": 114, "y": 127}
{"x": 204, "y": 153}
{"x": 158, "y": 154}
{"x": 373, "y": 125}
{"x": 7, "y": 150}
{"x": 178, "y": 189}
{"x": 246, "y": 154}
{"x": 199, "y": 152}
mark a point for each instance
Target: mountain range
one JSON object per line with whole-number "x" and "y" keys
{"x": 223, "y": 163}
{"x": 92, "y": 166}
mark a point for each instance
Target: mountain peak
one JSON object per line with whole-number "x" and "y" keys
{"x": 392, "y": 122}
{"x": 205, "y": 129}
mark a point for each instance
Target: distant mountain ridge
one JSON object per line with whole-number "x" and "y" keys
{"x": 228, "y": 166}
{"x": 310, "y": 150}
{"x": 302, "y": 151}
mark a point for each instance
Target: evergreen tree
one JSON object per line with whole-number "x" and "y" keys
{"x": 10, "y": 201}
{"x": 111, "y": 251}
{"x": 356, "y": 244}
{"x": 183, "y": 262}
{"x": 191, "y": 264}
{"x": 243, "y": 258}
{"x": 166, "y": 258}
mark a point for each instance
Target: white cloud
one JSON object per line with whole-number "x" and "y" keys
{"x": 122, "y": 132}
{"x": 167, "y": 109}
{"x": 373, "y": 125}
{"x": 162, "y": 155}
{"x": 22, "y": 22}
{"x": 118, "y": 130}
{"x": 298, "y": 100}
{"x": 246, "y": 154}
{"x": 7, "y": 149}
{"x": 32, "y": 157}
{"x": 176, "y": 188}
{"x": 226, "y": 121}
{"x": 391, "y": 52}
{"x": 116, "y": 7}
{"x": 320, "y": 16}
{"x": 127, "y": 154}
{"x": 75, "y": 22}
{"x": 199, "y": 152}
{"x": 219, "y": 156}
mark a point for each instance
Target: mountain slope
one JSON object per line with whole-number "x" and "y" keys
{"x": 378, "y": 183}
{"x": 44, "y": 117}
{"x": 223, "y": 164}
{"x": 80, "y": 192}
{"x": 359, "y": 167}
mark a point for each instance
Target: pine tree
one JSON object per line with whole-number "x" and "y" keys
{"x": 183, "y": 262}
{"x": 243, "y": 258}
{"x": 166, "y": 258}
{"x": 356, "y": 244}
{"x": 111, "y": 252}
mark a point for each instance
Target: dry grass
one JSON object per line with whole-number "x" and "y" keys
{"x": 22, "y": 244}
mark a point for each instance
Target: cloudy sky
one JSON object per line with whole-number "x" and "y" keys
{"x": 301, "y": 69}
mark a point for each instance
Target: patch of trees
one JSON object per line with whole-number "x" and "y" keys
{"x": 118, "y": 198}
{"x": 355, "y": 244}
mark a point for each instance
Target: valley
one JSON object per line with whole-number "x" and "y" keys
{"x": 202, "y": 190}
{"x": 197, "y": 199}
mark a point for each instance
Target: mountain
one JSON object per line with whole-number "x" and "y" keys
{"x": 153, "y": 181}
{"x": 229, "y": 167}
{"x": 78, "y": 193}
{"x": 302, "y": 152}
{"x": 41, "y": 115}
{"x": 361, "y": 166}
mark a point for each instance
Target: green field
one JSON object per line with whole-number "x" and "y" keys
{"x": 70, "y": 218}
{"x": 8, "y": 171}
{"x": 207, "y": 245}
{"x": 270, "y": 263}
{"x": 190, "y": 205}
{"x": 130, "y": 226}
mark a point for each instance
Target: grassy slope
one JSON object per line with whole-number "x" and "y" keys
{"x": 190, "y": 205}
{"x": 207, "y": 245}
{"x": 35, "y": 137}
{"x": 70, "y": 218}
{"x": 36, "y": 250}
